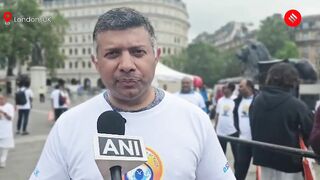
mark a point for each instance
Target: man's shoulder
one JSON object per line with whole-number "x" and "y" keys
{"x": 179, "y": 104}
{"x": 9, "y": 105}
{"x": 55, "y": 91}
{"x": 297, "y": 104}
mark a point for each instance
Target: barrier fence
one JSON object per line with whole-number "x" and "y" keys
{"x": 273, "y": 147}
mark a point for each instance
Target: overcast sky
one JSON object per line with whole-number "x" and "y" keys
{"x": 210, "y": 15}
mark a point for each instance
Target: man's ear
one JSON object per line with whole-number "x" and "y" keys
{"x": 94, "y": 60}
{"x": 157, "y": 54}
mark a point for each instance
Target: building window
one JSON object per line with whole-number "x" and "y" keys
{"x": 89, "y": 64}
{"x": 63, "y": 65}
{"x": 83, "y": 39}
{"x": 76, "y": 39}
{"x": 76, "y": 65}
{"x": 169, "y": 51}
{"x": 70, "y": 51}
{"x": 83, "y": 64}
{"x": 62, "y": 51}
{"x": 70, "y": 39}
{"x": 70, "y": 65}
{"x": 84, "y": 51}
{"x": 76, "y": 51}
{"x": 89, "y": 38}
{"x": 164, "y": 50}
{"x": 89, "y": 51}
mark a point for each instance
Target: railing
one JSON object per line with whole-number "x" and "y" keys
{"x": 273, "y": 147}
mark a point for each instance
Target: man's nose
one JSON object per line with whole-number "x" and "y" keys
{"x": 127, "y": 63}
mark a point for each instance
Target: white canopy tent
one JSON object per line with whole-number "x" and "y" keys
{"x": 168, "y": 76}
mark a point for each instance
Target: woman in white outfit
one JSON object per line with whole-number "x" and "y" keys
{"x": 6, "y": 131}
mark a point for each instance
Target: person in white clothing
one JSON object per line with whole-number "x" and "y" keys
{"x": 60, "y": 99}
{"x": 179, "y": 138}
{"x": 24, "y": 109}
{"x": 224, "y": 118}
{"x": 190, "y": 95}
{"x": 6, "y": 134}
{"x": 242, "y": 124}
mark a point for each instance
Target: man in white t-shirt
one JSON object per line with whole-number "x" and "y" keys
{"x": 24, "y": 109}
{"x": 6, "y": 134}
{"x": 242, "y": 123}
{"x": 188, "y": 94}
{"x": 224, "y": 118}
{"x": 180, "y": 140}
{"x": 59, "y": 99}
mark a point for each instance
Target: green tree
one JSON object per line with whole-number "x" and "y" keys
{"x": 233, "y": 66}
{"x": 289, "y": 50}
{"x": 276, "y": 36}
{"x": 206, "y": 61}
{"x": 41, "y": 41}
{"x": 51, "y": 38}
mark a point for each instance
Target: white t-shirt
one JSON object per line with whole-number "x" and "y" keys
{"x": 225, "y": 124}
{"x": 29, "y": 94}
{"x": 55, "y": 97}
{"x": 5, "y": 124}
{"x": 180, "y": 140}
{"x": 244, "y": 122}
{"x": 193, "y": 97}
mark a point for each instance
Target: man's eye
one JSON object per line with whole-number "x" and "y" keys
{"x": 138, "y": 53}
{"x": 111, "y": 55}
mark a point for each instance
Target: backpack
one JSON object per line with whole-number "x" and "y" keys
{"x": 20, "y": 98}
{"x": 62, "y": 99}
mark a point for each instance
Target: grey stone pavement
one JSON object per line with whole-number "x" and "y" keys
{"x": 23, "y": 158}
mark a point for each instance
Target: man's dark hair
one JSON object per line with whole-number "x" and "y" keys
{"x": 121, "y": 19}
{"x": 61, "y": 83}
{"x": 23, "y": 81}
{"x": 283, "y": 75}
{"x": 250, "y": 84}
{"x": 231, "y": 86}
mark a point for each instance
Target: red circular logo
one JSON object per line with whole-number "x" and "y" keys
{"x": 292, "y": 18}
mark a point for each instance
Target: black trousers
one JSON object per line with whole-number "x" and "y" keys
{"x": 234, "y": 147}
{"x": 58, "y": 112}
{"x": 23, "y": 118}
{"x": 243, "y": 160}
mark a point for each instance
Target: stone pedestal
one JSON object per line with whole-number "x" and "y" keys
{"x": 38, "y": 77}
{"x": 10, "y": 85}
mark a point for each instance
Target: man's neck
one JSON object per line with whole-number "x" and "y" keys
{"x": 186, "y": 91}
{"x": 248, "y": 95}
{"x": 135, "y": 104}
{"x": 227, "y": 95}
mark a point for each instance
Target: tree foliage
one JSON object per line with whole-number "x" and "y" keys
{"x": 205, "y": 61}
{"x": 40, "y": 41}
{"x": 277, "y": 37}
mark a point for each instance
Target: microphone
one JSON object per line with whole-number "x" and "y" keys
{"x": 114, "y": 151}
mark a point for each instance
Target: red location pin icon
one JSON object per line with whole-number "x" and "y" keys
{"x": 7, "y": 16}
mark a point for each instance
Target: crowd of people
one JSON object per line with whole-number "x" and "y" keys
{"x": 181, "y": 141}
{"x": 23, "y": 103}
{"x": 272, "y": 115}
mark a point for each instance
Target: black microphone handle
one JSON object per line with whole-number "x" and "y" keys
{"x": 116, "y": 173}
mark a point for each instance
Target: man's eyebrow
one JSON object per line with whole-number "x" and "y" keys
{"x": 136, "y": 47}
{"x": 112, "y": 49}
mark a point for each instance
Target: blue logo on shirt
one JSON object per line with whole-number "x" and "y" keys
{"x": 36, "y": 173}
{"x": 226, "y": 167}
